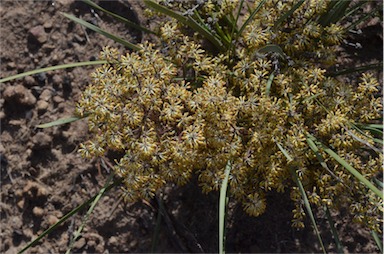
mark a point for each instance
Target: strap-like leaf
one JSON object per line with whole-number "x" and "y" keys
{"x": 339, "y": 245}
{"x": 269, "y": 83}
{"x": 378, "y": 241}
{"x": 376, "y": 66}
{"x": 273, "y": 48}
{"x": 102, "y": 32}
{"x": 118, "y": 17}
{"x": 303, "y": 195}
{"x": 351, "y": 169}
{"x": 222, "y": 208}
{"x": 59, "y": 122}
{"x": 249, "y": 19}
{"x": 186, "y": 21}
{"x": 286, "y": 15}
{"x": 68, "y": 215}
{"x": 51, "y": 68}
{"x": 89, "y": 212}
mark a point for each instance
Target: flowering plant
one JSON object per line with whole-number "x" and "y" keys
{"x": 258, "y": 96}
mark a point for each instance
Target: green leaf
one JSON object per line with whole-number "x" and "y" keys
{"x": 377, "y": 126}
{"x": 339, "y": 245}
{"x": 303, "y": 195}
{"x": 365, "y": 17}
{"x": 376, "y": 66}
{"x": 118, "y": 17}
{"x": 222, "y": 208}
{"x": 351, "y": 169}
{"x": 51, "y": 68}
{"x": 336, "y": 11}
{"x": 102, "y": 32}
{"x": 186, "y": 21}
{"x": 286, "y": 15}
{"x": 90, "y": 210}
{"x": 273, "y": 48}
{"x": 361, "y": 140}
{"x": 68, "y": 215}
{"x": 249, "y": 19}
{"x": 59, "y": 122}
{"x": 375, "y": 129}
{"x": 378, "y": 241}
{"x": 269, "y": 83}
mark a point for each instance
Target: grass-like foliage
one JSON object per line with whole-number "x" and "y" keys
{"x": 242, "y": 85}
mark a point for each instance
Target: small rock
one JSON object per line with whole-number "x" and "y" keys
{"x": 41, "y": 77}
{"x": 28, "y": 232}
{"x": 57, "y": 99}
{"x": 42, "y": 140}
{"x": 38, "y": 211}
{"x": 57, "y": 80}
{"x": 79, "y": 243}
{"x": 65, "y": 2}
{"x": 92, "y": 243}
{"x": 133, "y": 243}
{"x": 48, "y": 24}
{"x": 39, "y": 34}
{"x": 20, "y": 204}
{"x": 11, "y": 65}
{"x": 29, "y": 81}
{"x": 19, "y": 94}
{"x": 15, "y": 122}
{"x": 46, "y": 95}
{"x": 52, "y": 219}
{"x": 33, "y": 189}
{"x": 113, "y": 241}
{"x": 42, "y": 106}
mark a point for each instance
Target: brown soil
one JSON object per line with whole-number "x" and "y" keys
{"x": 43, "y": 177}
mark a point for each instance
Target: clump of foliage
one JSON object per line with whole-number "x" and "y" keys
{"x": 256, "y": 95}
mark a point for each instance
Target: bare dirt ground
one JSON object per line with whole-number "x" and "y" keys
{"x": 43, "y": 177}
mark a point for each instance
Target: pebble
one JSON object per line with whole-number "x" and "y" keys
{"x": 34, "y": 189}
{"x": 57, "y": 80}
{"x": 113, "y": 241}
{"x": 19, "y": 95}
{"x": 48, "y": 24}
{"x": 39, "y": 34}
{"x": 52, "y": 219}
{"x": 20, "y": 204}
{"x": 45, "y": 95}
{"x": 42, "y": 106}
{"x": 79, "y": 243}
{"x": 11, "y": 65}
{"x": 58, "y": 99}
{"x": 42, "y": 140}
{"x": 38, "y": 211}
{"x": 29, "y": 81}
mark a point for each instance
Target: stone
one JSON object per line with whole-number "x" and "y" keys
{"x": 42, "y": 106}
{"x": 52, "y": 219}
{"x": 38, "y": 211}
{"x": 58, "y": 99}
{"x": 79, "y": 244}
{"x": 42, "y": 140}
{"x": 39, "y": 34}
{"x": 19, "y": 95}
{"x": 57, "y": 80}
{"x": 29, "y": 81}
{"x": 45, "y": 95}
{"x": 33, "y": 189}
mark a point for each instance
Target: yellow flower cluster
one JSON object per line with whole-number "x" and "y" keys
{"x": 185, "y": 111}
